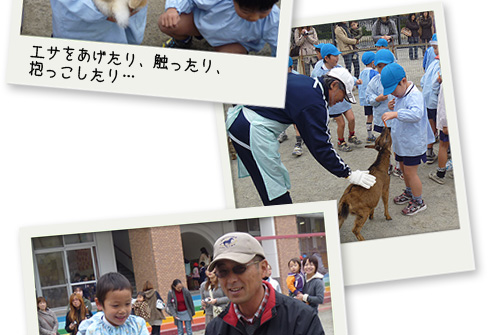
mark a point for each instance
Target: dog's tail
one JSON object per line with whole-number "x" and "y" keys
{"x": 343, "y": 211}
{"x": 121, "y": 13}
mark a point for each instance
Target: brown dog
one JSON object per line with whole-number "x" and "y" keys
{"x": 361, "y": 202}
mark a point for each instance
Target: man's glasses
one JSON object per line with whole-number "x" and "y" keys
{"x": 223, "y": 272}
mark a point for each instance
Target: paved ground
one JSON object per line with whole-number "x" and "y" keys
{"x": 311, "y": 182}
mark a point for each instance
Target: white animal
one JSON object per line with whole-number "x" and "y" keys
{"x": 120, "y": 10}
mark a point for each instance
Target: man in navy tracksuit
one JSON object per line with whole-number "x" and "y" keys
{"x": 254, "y": 131}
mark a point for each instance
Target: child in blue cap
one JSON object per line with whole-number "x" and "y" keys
{"x": 330, "y": 56}
{"x": 365, "y": 76}
{"x": 234, "y": 26}
{"x": 381, "y": 44}
{"x": 429, "y": 54}
{"x": 410, "y": 132}
{"x": 431, "y": 83}
{"x": 376, "y": 98}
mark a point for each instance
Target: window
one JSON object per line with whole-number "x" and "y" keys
{"x": 63, "y": 263}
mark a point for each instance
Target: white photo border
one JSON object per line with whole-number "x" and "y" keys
{"x": 401, "y": 257}
{"x": 332, "y": 239}
{"x": 236, "y": 82}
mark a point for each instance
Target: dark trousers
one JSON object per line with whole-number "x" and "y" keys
{"x": 240, "y": 129}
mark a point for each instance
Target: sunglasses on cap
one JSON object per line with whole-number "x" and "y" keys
{"x": 222, "y": 272}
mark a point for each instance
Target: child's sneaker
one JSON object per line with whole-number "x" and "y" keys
{"x": 344, "y": 147}
{"x": 179, "y": 44}
{"x": 413, "y": 208}
{"x": 433, "y": 175}
{"x": 402, "y": 198}
{"x": 298, "y": 151}
{"x": 354, "y": 139}
{"x": 371, "y": 138}
{"x": 282, "y": 137}
{"x": 431, "y": 158}
{"x": 398, "y": 173}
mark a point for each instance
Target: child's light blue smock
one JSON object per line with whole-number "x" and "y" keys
{"x": 265, "y": 150}
{"x": 81, "y": 20}
{"x": 374, "y": 89}
{"x": 219, "y": 24}
{"x": 339, "y": 107}
{"x": 134, "y": 325}
{"x": 411, "y": 131}
{"x": 429, "y": 56}
{"x": 430, "y": 85}
{"x": 366, "y": 75}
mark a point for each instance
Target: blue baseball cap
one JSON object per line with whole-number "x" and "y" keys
{"x": 391, "y": 75}
{"x": 384, "y": 56}
{"x": 319, "y": 45}
{"x": 329, "y": 49}
{"x": 382, "y": 43}
{"x": 368, "y": 57}
{"x": 290, "y": 62}
{"x": 433, "y": 41}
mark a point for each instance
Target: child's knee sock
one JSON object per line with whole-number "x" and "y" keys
{"x": 299, "y": 140}
{"x": 441, "y": 172}
{"x": 369, "y": 128}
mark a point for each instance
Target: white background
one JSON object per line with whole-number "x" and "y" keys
{"x": 71, "y": 156}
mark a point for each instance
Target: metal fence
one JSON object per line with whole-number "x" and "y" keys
{"x": 410, "y": 56}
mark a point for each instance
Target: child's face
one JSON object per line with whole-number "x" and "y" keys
{"x": 117, "y": 306}
{"x": 436, "y": 49}
{"x": 331, "y": 61}
{"x": 380, "y": 67}
{"x": 401, "y": 88}
{"x": 294, "y": 267}
{"x": 249, "y": 14}
{"x": 140, "y": 298}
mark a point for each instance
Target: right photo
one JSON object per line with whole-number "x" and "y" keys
{"x": 369, "y": 121}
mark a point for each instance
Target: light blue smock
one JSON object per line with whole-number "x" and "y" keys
{"x": 411, "y": 131}
{"x": 341, "y": 106}
{"x": 81, "y": 20}
{"x": 429, "y": 56}
{"x": 219, "y": 24}
{"x": 264, "y": 147}
{"x": 430, "y": 85}
{"x": 366, "y": 75}
{"x": 134, "y": 325}
{"x": 374, "y": 89}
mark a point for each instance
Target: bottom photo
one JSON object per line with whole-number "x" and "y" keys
{"x": 245, "y": 271}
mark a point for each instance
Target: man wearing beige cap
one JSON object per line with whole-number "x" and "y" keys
{"x": 255, "y": 307}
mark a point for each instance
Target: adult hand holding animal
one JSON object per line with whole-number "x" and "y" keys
{"x": 362, "y": 178}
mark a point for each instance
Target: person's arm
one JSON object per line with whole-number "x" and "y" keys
{"x": 317, "y": 294}
{"x": 372, "y": 95}
{"x": 312, "y": 37}
{"x": 312, "y": 125}
{"x": 271, "y": 29}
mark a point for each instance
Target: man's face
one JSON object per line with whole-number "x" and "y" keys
{"x": 335, "y": 94}
{"x": 242, "y": 289}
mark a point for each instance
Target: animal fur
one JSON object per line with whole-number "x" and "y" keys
{"x": 360, "y": 201}
{"x": 120, "y": 10}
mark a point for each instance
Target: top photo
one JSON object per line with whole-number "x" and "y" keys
{"x": 154, "y": 48}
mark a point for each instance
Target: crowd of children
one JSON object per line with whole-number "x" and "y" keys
{"x": 416, "y": 118}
